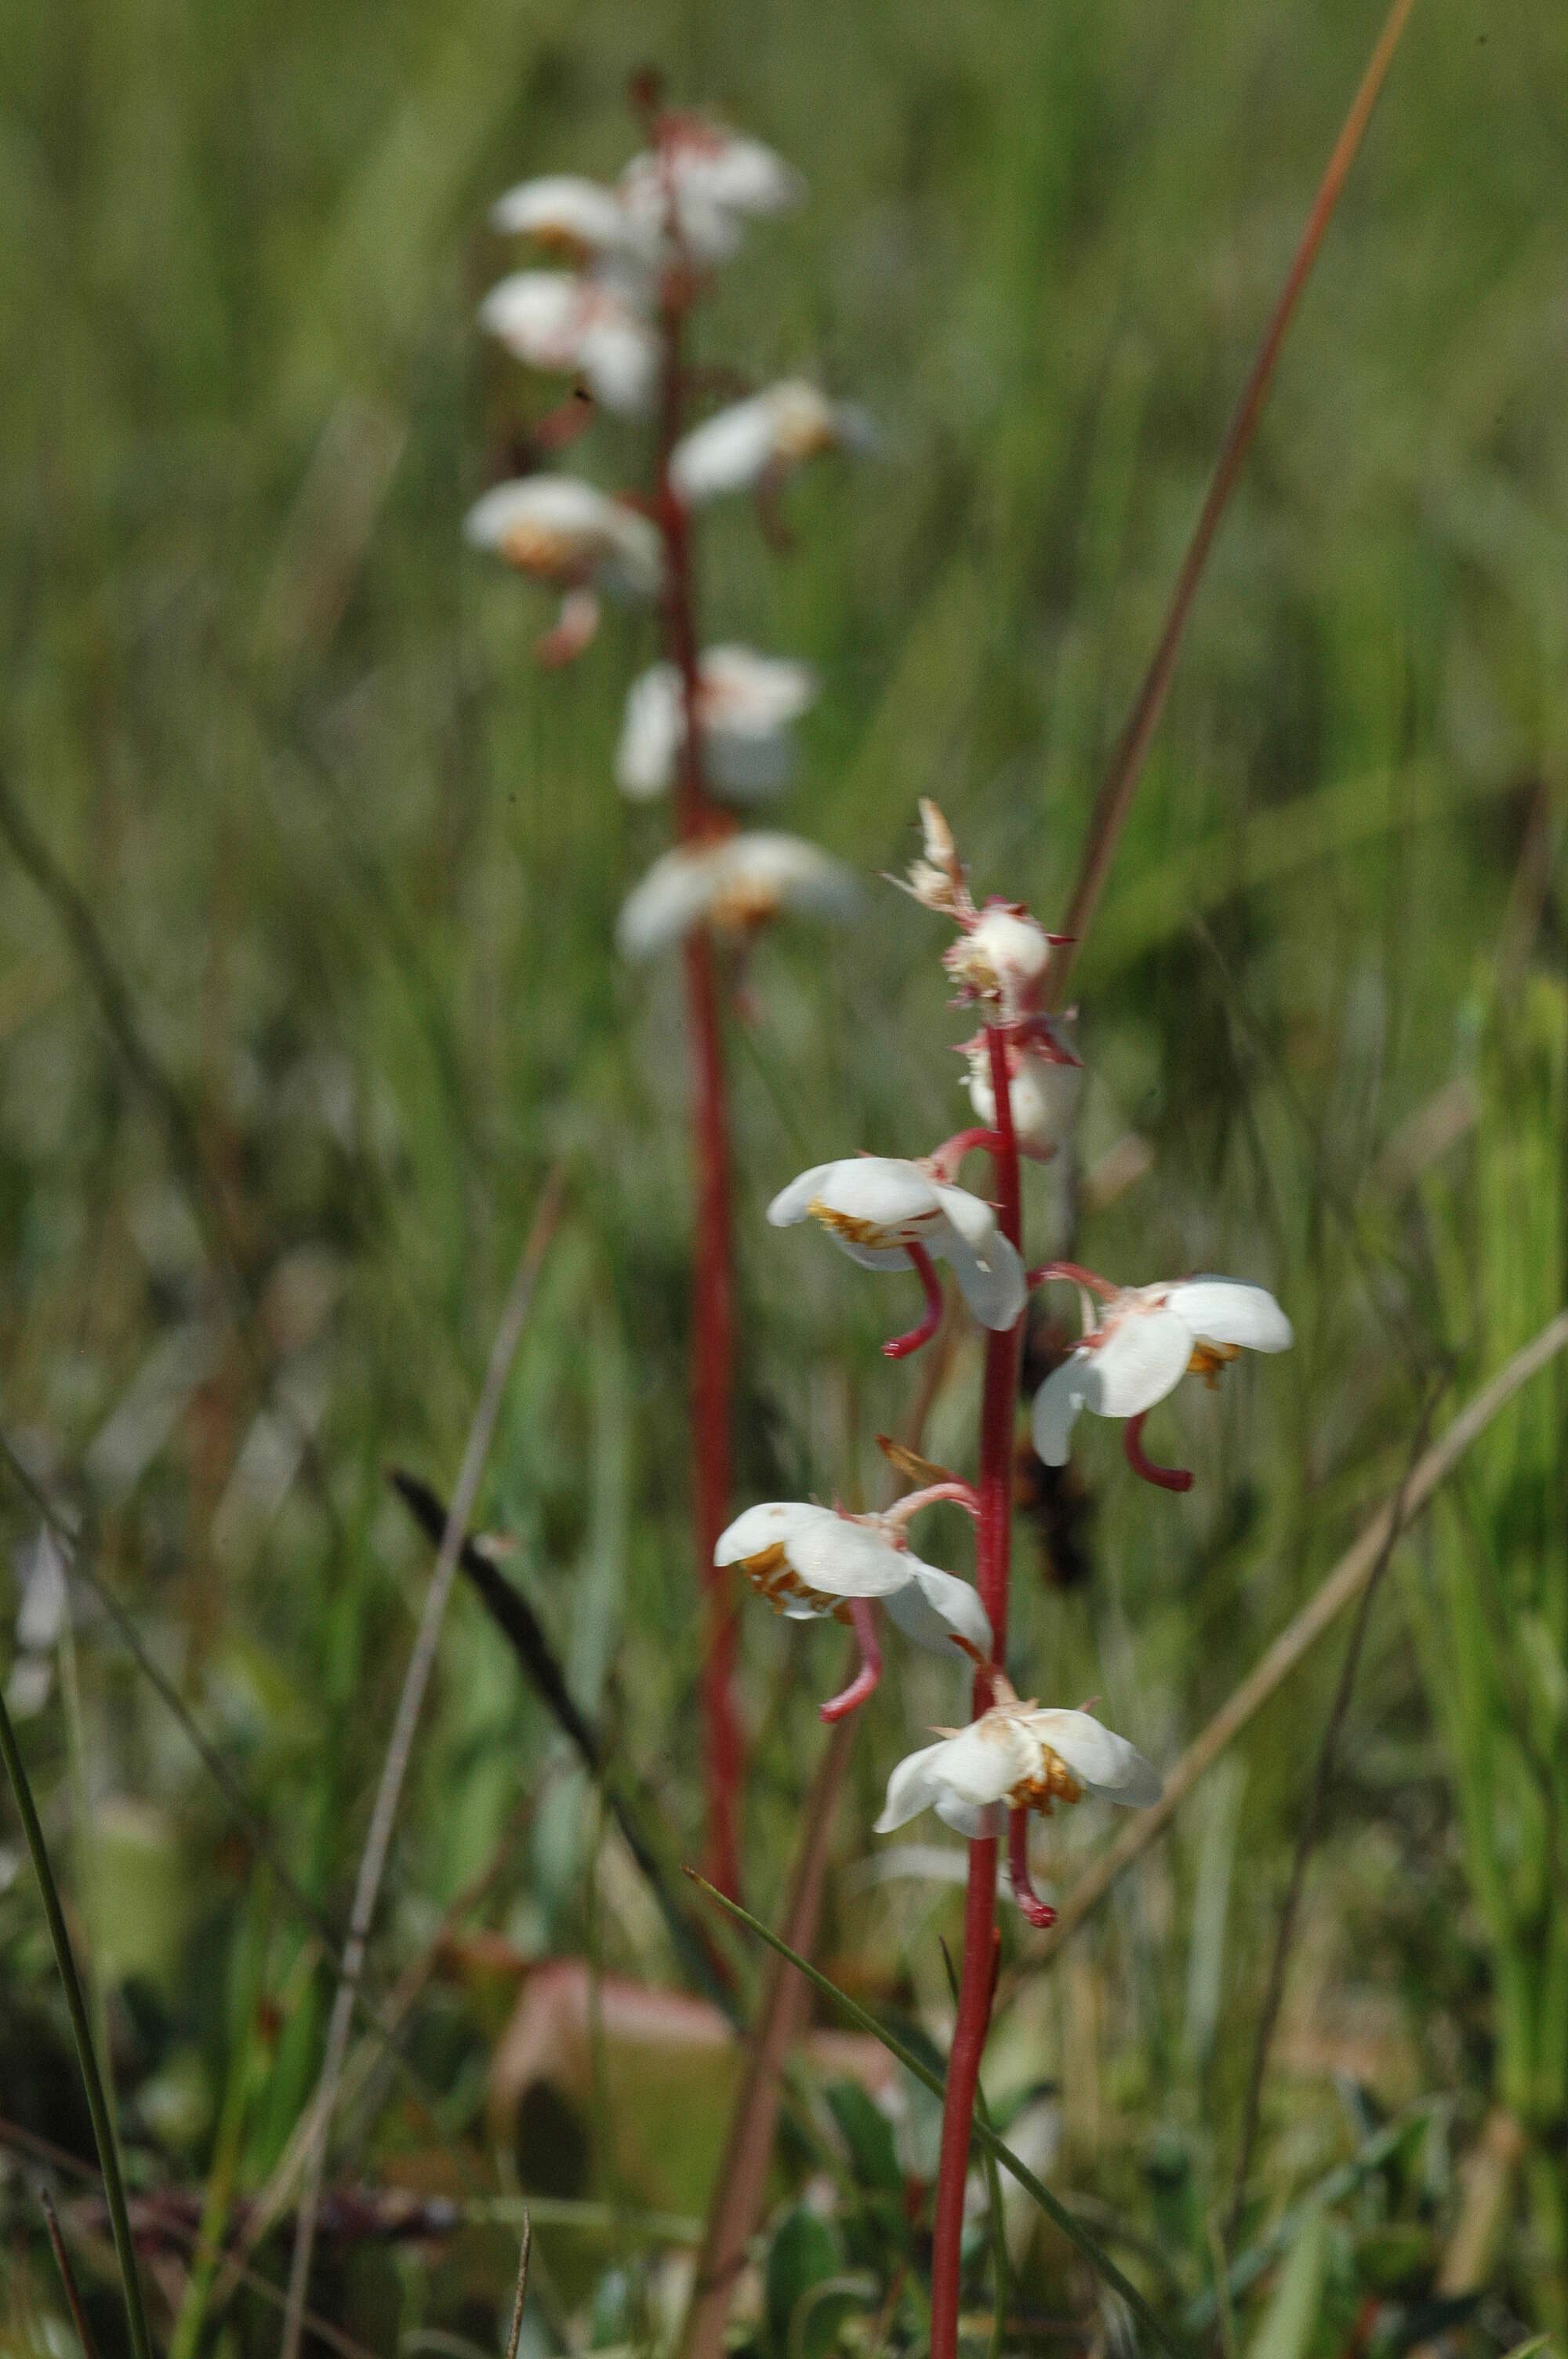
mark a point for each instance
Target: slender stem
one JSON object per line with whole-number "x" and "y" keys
{"x": 713, "y": 1315}
{"x": 1114, "y": 800}
{"x": 67, "y": 2279}
{"x": 993, "y": 1537}
{"x": 1039, "y": 1912}
{"x": 864, "y": 1682}
{"x": 1077, "y": 1275}
{"x": 899, "y": 1347}
{"x": 97, "y": 2103}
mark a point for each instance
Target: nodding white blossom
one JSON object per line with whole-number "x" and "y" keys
{"x": 1018, "y": 1755}
{"x": 1147, "y": 1339}
{"x": 1002, "y": 957}
{"x": 809, "y": 1560}
{"x": 685, "y": 200}
{"x": 1044, "y": 1077}
{"x": 745, "y": 705}
{"x": 880, "y": 1209}
{"x": 734, "y": 884}
{"x": 578, "y": 326}
{"x": 580, "y": 220}
{"x": 754, "y": 443}
{"x": 561, "y": 529}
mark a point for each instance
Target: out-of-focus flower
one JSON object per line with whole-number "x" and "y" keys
{"x": 687, "y": 199}
{"x": 1043, "y": 1078}
{"x": 809, "y": 1562}
{"x": 885, "y": 1212}
{"x": 1018, "y": 1755}
{"x": 580, "y": 220}
{"x": 745, "y": 705}
{"x": 578, "y": 326}
{"x": 1002, "y": 956}
{"x": 1146, "y": 1341}
{"x": 733, "y": 884}
{"x": 938, "y": 879}
{"x": 754, "y": 443}
{"x": 561, "y": 529}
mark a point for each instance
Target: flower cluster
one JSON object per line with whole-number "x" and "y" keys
{"x": 716, "y": 724}
{"x": 1136, "y": 1343}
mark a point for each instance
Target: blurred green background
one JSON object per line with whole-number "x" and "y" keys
{"x": 306, "y": 888}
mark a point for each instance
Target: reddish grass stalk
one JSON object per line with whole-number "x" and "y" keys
{"x": 713, "y": 1312}
{"x": 992, "y": 1547}
{"x": 1114, "y": 800}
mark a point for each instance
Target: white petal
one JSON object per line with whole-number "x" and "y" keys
{"x": 1143, "y": 1357}
{"x": 1055, "y": 1409}
{"x": 794, "y": 1202}
{"x": 771, "y": 1524}
{"x": 882, "y": 1189}
{"x": 746, "y": 692}
{"x": 964, "y": 1819}
{"x": 913, "y": 1786}
{"x": 561, "y": 205}
{"x": 989, "y": 1271}
{"x": 650, "y": 734}
{"x": 845, "y": 1559}
{"x": 619, "y": 358}
{"x": 933, "y": 1604}
{"x": 1103, "y": 1763}
{"x": 985, "y": 1761}
{"x": 1013, "y": 948}
{"x": 1218, "y": 1311}
{"x": 664, "y": 906}
{"x": 728, "y": 452}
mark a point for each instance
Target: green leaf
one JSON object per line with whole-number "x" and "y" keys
{"x": 1072, "y": 2228}
{"x": 868, "y": 2133}
{"x": 804, "y": 2253}
{"x": 1289, "y": 2320}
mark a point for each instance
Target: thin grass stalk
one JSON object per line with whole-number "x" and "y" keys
{"x": 1114, "y": 800}
{"x": 993, "y": 1555}
{"x": 93, "y": 2080}
{"x": 67, "y": 2274}
{"x": 400, "y": 1745}
{"x": 713, "y": 1314}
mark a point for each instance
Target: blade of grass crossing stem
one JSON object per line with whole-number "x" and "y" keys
{"x": 1054, "y": 2210}
{"x": 1114, "y": 800}
{"x": 97, "y": 2103}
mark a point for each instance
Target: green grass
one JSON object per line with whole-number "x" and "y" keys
{"x": 357, "y": 866}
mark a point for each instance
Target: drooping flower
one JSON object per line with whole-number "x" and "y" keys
{"x": 561, "y": 530}
{"x": 1020, "y": 1755}
{"x": 1141, "y": 1346}
{"x": 567, "y": 214}
{"x": 733, "y": 882}
{"x": 885, "y": 1212}
{"x": 1044, "y": 1077}
{"x": 754, "y": 443}
{"x": 809, "y": 1562}
{"x": 687, "y": 199}
{"x": 746, "y": 703}
{"x": 576, "y": 325}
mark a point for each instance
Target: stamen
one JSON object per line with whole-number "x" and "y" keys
{"x": 1038, "y": 1912}
{"x": 1165, "y": 1478}
{"x": 899, "y": 1347}
{"x": 863, "y": 1623}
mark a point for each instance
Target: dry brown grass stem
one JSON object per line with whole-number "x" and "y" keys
{"x": 1114, "y": 800}
{"x": 1348, "y": 1578}
{"x": 400, "y": 1745}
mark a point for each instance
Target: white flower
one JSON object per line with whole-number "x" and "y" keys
{"x": 561, "y": 530}
{"x": 1148, "y": 1338}
{"x": 811, "y": 1560}
{"x": 745, "y": 705}
{"x": 686, "y": 199}
{"x": 579, "y": 219}
{"x": 882, "y": 1211}
{"x": 754, "y": 442}
{"x": 1043, "y": 1081}
{"x": 1019, "y": 1755}
{"x": 576, "y": 326}
{"x": 732, "y": 884}
{"x": 1002, "y": 956}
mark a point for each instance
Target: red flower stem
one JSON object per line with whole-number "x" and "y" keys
{"x": 899, "y": 1347}
{"x": 713, "y": 1310}
{"x": 1165, "y": 1478}
{"x": 992, "y": 1543}
{"x": 864, "y": 1683}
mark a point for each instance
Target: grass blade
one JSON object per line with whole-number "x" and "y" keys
{"x": 97, "y": 2103}
{"x": 1053, "y": 2209}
